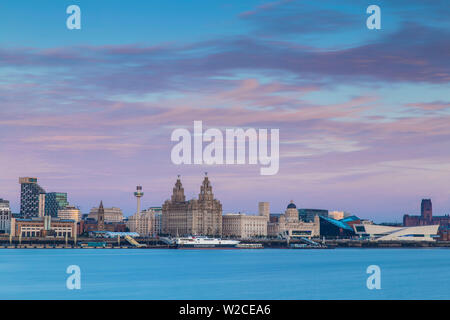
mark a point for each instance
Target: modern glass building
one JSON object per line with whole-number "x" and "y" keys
{"x": 55, "y": 201}
{"x": 29, "y": 196}
{"x": 335, "y": 229}
{"x": 308, "y": 215}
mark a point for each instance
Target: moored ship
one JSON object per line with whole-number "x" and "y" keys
{"x": 204, "y": 242}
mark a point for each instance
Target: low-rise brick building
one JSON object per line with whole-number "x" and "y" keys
{"x": 42, "y": 227}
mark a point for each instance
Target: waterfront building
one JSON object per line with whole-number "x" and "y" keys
{"x": 157, "y": 211}
{"x": 288, "y": 225}
{"x": 147, "y": 223}
{"x": 5, "y": 216}
{"x": 264, "y": 210}
{"x": 444, "y": 233}
{"x": 29, "y": 196}
{"x": 202, "y": 216}
{"x": 308, "y": 215}
{"x": 274, "y": 217}
{"x": 390, "y": 224}
{"x": 242, "y": 226}
{"x": 70, "y": 213}
{"x": 389, "y": 233}
{"x": 112, "y": 215}
{"x": 55, "y": 201}
{"x": 335, "y": 229}
{"x": 352, "y": 220}
{"x": 336, "y": 215}
{"x": 426, "y": 217}
{"x": 41, "y": 210}
{"x": 89, "y": 225}
{"x": 100, "y": 222}
{"x": 42, "y": 227}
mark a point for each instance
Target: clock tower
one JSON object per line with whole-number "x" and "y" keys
{"x": 101, "y": 218}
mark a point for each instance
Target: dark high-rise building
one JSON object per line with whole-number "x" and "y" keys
{"x": 55, "y": 201}
{"x": 29, "y": 196}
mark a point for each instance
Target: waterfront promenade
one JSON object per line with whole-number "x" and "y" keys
{"x": 156, "y": 243}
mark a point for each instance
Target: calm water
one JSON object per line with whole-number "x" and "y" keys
{"x": 225, "y": 274}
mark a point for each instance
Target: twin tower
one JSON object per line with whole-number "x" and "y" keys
{"x": 202, "y": 216}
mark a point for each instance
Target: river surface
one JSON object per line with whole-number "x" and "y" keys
{"x": 225, "y": 274}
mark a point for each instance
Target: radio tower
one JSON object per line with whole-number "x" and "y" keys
{"x": 139, "y": 194}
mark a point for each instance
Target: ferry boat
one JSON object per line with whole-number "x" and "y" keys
{"x": 204, "y": 242}
{"x": 250, "y": 246}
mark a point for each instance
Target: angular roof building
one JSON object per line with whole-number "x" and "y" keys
{"x": 334, "y": 229}
{"x": 389, "y": 233}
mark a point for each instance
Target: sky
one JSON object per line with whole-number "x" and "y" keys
{"x": 363, "y": 114}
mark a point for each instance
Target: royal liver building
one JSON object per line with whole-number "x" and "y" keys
{"x": 193, "y": 217}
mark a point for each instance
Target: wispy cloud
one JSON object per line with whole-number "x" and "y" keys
{"x": 101, "y": 116}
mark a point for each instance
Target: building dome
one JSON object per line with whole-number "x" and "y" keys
{"x": 292, "y": 205}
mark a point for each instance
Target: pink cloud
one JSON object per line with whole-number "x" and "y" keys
{"x": 430, "y": 106}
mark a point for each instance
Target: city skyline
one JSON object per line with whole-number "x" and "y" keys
{"x": 363, "y": 114}
{"x": 224, "y": 211}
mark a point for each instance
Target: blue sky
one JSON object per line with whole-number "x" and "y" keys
{"x": 107, "y": 22}
{"x": 363, "y": 114}
{"x": 118, "y": 22}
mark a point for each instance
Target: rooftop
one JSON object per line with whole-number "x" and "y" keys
{"x": 338, "y": 223}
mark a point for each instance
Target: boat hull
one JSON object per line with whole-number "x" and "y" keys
{"x": 195, "y": 242}
{"x": 206, "y": 246}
